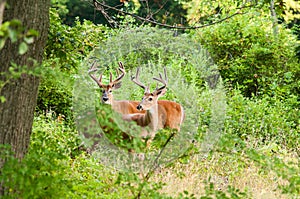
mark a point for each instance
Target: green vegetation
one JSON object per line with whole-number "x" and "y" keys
{"x": 240, "y": 138}
{"x": 252, "y": 58}
{"x": 65, "y": 51}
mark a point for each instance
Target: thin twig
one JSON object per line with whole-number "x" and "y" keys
{"x": 98, "y": 6}
{"x": 155, "y": 164}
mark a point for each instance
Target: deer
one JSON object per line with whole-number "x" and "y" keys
{"x": 151, "y": 114}
{"x": 119, "y": 106}
{"x": 172, "y": 113}
{"x": 157, "y": 115}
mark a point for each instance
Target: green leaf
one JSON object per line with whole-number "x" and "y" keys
{"x": 15, "y": 22}
{"x": 12, "y": 35}
{"x": 23, "y": 48}
{"x": 32, "y": 32}
{"x": 29, "y": 40}
{"x": 2, "y": 99}
{"x": 2, "y": 42}
{"x": 5, "y": 25}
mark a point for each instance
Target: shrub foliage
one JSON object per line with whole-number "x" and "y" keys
{"x": 250, "y": 57}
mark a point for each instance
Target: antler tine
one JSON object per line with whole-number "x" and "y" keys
{"x": 160, "y": 79}
{"x": 165, "y": 72}
{"x": 93, "y": 69}
{"x": 110, "y": 77}
{"x": 137, "y": 81}
{"x": 122, "y": 69}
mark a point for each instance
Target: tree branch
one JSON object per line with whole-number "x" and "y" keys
{"x": 99, "y": 6}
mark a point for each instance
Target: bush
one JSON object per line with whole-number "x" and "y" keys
{"x": 55, "y": 94}
{"x": 250, "y": 57}
{"x": 55, "y": 168}
{"x": 264, "y": 121}
{"x": 64, "y": 52}
{"x": 67, "y": 46}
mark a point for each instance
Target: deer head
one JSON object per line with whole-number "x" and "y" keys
{"x": 107, "y": 96}
{"x": 150, "y": 98}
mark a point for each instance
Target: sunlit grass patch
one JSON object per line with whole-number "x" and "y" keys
{"x": 224, "y": 172}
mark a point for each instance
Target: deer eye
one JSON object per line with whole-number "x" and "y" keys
{"x": 110, "y": 91}
{"x": 150, "y": 99}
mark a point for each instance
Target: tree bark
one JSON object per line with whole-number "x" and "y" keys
{"x": 16, "y": 113}
{"x": 2, "y": 6}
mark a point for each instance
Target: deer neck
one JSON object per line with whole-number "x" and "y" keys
{"x": 120, "y": 106}
{"x": 152, "y": 117}
{"x": 116, "y": 105}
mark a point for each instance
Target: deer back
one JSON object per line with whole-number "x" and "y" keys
{"x": 126, "y": 107}
{"x": 174, "y": 114}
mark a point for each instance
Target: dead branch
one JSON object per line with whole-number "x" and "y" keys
{"x": 100, "y": 7}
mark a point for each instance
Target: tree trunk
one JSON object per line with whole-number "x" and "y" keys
{"x": 2, "y": 6}
{"x": 17, "y": 111}
{"x": 274, "y": 18}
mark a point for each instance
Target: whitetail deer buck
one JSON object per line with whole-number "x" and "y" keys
{"x": 171, "y": 113}
{"x": 122, "y": 106}
{"x": 157, "y": 115}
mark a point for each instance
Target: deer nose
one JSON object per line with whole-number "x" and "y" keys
{"x": 104, "y": 99}
{"x": 139, "y": 107}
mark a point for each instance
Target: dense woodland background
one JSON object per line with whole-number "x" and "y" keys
{"x": 244, "y": 92}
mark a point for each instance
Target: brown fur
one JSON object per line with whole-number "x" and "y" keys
{"x": 174, "y": 114}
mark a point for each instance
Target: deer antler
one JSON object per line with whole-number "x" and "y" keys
{"x": 93, "y": 69}
{"x": 160, "y": 79}
{"x": 137, "y": 81}
{"x": 122, "y": 69}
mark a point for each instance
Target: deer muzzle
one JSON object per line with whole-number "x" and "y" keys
{"x": 139, "y": 107}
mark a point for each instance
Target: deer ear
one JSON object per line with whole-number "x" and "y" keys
{"x": 117, "y": 85}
